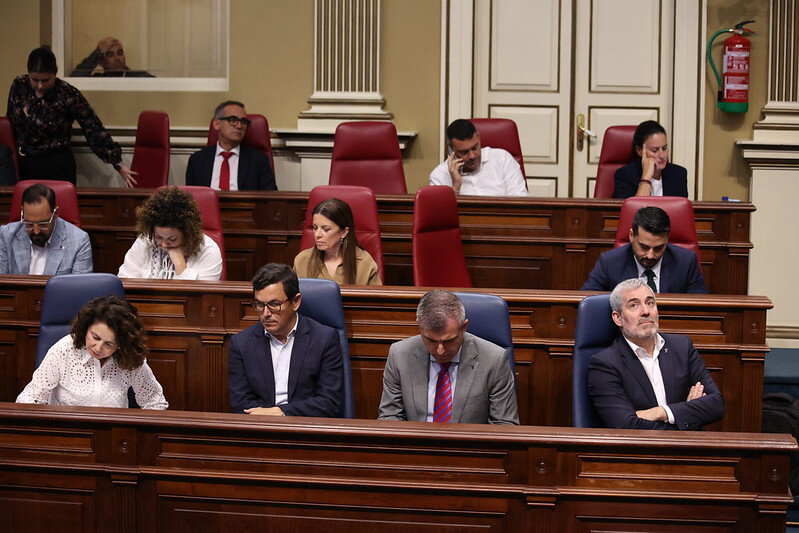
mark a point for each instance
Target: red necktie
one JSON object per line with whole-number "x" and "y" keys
{"x": 224, "y": 173}
{"x": 442, "y": 410}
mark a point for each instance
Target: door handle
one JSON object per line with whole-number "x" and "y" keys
{"x": 582, "y": 132}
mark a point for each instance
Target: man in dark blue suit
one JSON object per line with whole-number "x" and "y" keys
{"x": 646, "y": 380}
{"x": 230, "y": 165}
{"x": 649, "y": 256}
{"x": 286, "y": 364}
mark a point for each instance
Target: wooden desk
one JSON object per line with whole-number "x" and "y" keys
{"x": 520, "y": 243}
{"x": 83, "y": 469}
{"x": 189, "y": 325}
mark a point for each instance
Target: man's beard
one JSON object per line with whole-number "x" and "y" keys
{"x": 638, "y": 335}
{"x": 39, "y": 239}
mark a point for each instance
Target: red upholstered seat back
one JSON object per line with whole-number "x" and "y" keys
{"x": 208, "y": 206}
{"x": 617, "y": 151}
{"x": 364, "y": 209}
{"x": 151, "y": 151}
{"x": 438, "y": 258}
{"x": 368, "y": 154}
{"x": 66, "y": 199}
{"x": 500, "y": 133}
{"x": 256, "y": 137}
{"x": 7, "y": 138}
{"x": 681, "y": 214}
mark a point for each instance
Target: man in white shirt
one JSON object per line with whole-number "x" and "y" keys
{"x": 230, "y": 165}
{"x": 647, "y": 380}
{"x": 472, "y": 169}
{"x": 42, "y": 243}
{"x": 285, "y": 364}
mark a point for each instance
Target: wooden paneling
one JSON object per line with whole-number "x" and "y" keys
{"x": 182, "y": 471}
{"x": 517, "y": 243}
{"x": 189, "y": 325}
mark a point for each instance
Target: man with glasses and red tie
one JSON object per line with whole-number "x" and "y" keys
{"x": 445, "y": 374}
{"x": 230, "y": 165}
{"x": 41, "y": 243}
{"x": 286, "y": 364}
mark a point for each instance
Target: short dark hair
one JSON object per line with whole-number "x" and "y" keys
{"x": 223, "y": 105}
{"x": 42, "y": 60}
{"x": 272, "y": 273}
{"x": 121, "y": 318}
{"x": 38, "y": 192}
{"x": 645, "y": 130}
{"x": 653, "y": 219}
{"x": 460, "y": 129}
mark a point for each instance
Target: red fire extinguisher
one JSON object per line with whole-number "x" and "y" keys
{"x": 733, "y": 95}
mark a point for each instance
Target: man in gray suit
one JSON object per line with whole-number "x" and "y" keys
{"x": 42, "y": 243}
{"x": 446, "y": 374}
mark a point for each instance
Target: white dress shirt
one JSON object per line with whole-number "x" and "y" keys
{"x": 657, "y": 187}
{"x": 70, "y": 376}
{"x": 39, "y": 257}
{"x": 233, "y": 161}
{"x": 497, "y": 175}
{"x": 655, "y": 269}
{"x": 147, "y": 260}
{"x": 281, "y": 361}
{"x": 652, "y": 368}
{"x": 432, "y": 380}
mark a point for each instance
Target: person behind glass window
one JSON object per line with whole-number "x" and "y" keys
{"x": 110, "y": 55}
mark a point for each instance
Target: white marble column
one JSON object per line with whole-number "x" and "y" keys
{"x": 346, "y": 65}
{"x": 773, "y": 155}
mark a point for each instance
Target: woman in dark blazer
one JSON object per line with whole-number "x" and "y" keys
{"x": 650, "y": 173}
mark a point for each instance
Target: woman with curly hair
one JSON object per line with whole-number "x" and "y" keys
{"x": 171, "y": 242}
{"x": 103, "y": 356}
{"x": 336, "y": 254}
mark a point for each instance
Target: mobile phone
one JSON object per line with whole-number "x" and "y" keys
{"x": 461, "y": 171}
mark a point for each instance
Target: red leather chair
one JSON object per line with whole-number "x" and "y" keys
{"x": 151, "y": 151}
{"x": 438, "y": 258}
{"x": 7, "y": 138}
{"x": 66, "y": 199}
{"x": 617, "y": 151}
{"x": 256, "y": 137}
{"x": 208, "y": 205}
{"x": 363, "y": 204}
{"x": 500, "y": 133}
{"x": 368, "y": 154}
{"x": 681, "y": 214}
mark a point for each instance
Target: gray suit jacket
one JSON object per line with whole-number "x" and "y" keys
{"x": 70, "y": 250}
{"x": 484, "y": 391}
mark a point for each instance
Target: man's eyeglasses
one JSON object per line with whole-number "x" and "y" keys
{"x": 43, "y": 226}
{"x": 235, "y": 121}
{"x": 273, "y": 306}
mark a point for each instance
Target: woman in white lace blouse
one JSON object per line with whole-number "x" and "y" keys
{"x": 98, "y": 361}
{"x": 171, "y": 242}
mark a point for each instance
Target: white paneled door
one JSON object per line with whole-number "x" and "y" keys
{"x": 548, "y": 64}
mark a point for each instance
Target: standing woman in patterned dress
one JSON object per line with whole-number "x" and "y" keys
{"x": 41, "y": 109}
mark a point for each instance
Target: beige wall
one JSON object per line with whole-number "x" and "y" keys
{"x": 725, "y": 171}
{"x": 19, "y": 34}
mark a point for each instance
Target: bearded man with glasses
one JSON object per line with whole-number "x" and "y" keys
{"x": 41, "y": 243}
{"x": 230, "y": 165}
{"x": 286, "y": 364}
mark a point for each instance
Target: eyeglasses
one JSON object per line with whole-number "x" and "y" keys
{"x": 235, "y": 121}
{"x": 43, "y": 226}
{"x": 273, "y": 306}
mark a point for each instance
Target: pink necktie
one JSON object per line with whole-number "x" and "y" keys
{"x": 442, "y": 410}
{"x": 224, "y": 172}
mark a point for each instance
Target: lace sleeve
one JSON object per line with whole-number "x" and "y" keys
{"x": 149, "y": 393}
{"x": 47, "y": 377}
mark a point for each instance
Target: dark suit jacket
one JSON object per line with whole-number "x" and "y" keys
{"x": 8, "y": 176}
{"x": 675, "y": 180}
{"x": 679, "y": 270}
{"x": 316, "y": 384}
{"x": 618, "y": 386}
{"x": 255, "y": 172}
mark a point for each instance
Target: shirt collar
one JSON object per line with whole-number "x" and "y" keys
{"x": 655, "y": 269}
{"x": 455, "y": 360}
{"x": 235, "y": 150}
{"x": 641, "y": 353}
